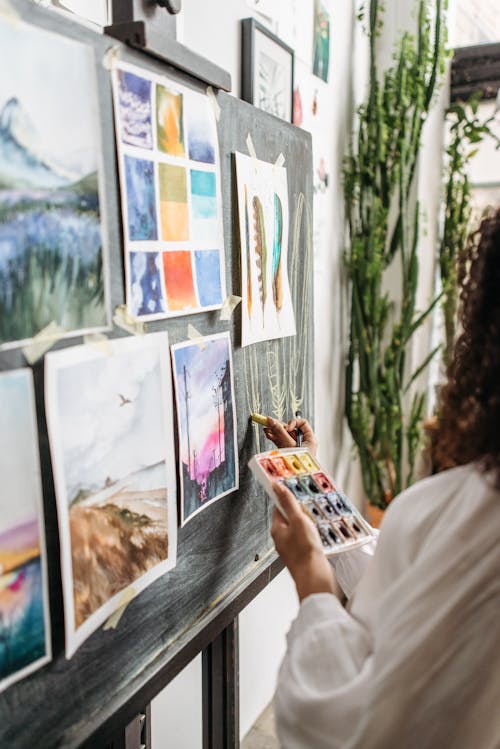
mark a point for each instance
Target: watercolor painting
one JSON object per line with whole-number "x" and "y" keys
{"x": 173, "y": 203}
{"x": 171, "y": 198}
{"x": 135, "y": 109}
{"x": 111, "y": 439}
{"x": 51, "y": 261}
{"x": 267, "y": 309}
{"x": 321, "y": 54}
{"x": 169, "y": 121}
{"x": 141, "y": 199}
{"x": 146, "y": 288}
{"x": 202, "y": 131}
{"x": 207, "y": 264}
{"x": 206, "y": 420}
{"x": 24, "y": 606}
{"x": 179, "y": 285}
{"x": 204, "y": 224}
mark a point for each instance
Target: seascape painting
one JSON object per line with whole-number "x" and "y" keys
{"x": 51, "y": 254}
{"x": 24, "y": 606}
{"x": 111, "y": 440}
{"x": 267, "y": 309}
{"x": 170, "y": 195}
{"x": 206, "y": 419}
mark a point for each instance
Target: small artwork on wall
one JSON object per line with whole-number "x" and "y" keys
{"x": 267, "y": 310}
{"x": 51, "y": 261}
{"x": 111, "y": 438}
{"x": 171, "y": 197}
{"x": 321, "y": 59}
{"x": 24, "y": 606}
{"x": 206, "y": 418}
{"x": 267, "y": 70}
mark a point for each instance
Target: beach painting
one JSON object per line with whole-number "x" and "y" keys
{"x": 51, "y": 241}
{"x": 24, "y": 605}
{"x": 110, "y": 428}
{"x": 171, "y": 195}
{"x": 267, "y": 309}
{"x": 206, "y": 421}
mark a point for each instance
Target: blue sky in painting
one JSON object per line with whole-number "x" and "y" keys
{"x": 207, "y": 264}
{"x": 141, "y": 202}
{"x": 146, "y": 291}
{"x": 135, "y": 110}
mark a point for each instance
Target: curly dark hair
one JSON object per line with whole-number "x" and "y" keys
{"x": 469, "y": 413}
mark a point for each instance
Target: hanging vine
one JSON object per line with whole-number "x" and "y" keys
{"x": 383, "y": 226}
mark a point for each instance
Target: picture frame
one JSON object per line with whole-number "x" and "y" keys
{"x": 267, "y": 70}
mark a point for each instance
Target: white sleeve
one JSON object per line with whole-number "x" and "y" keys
{"x": 319, "y": 684}
{"x": 350, "y": 566}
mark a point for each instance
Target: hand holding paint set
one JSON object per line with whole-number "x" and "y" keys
{"x": 340, "y": 525}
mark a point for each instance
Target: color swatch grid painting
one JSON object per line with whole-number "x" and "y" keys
{"x": 51, "y": 254}
{"x": 206, "y": 418}
{"x": 111, "y": 439}
{"x": 24, "y": 606}
{"x": 267, "y": 310}
{"x": 171, "y": 195}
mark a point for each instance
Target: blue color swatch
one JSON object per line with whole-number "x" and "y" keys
{"x": 146, "y": 291}
{"x": 141, "y": 201}
{"x": 207, "y": 264}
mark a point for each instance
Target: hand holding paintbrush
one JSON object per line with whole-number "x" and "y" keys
{"x": 296, "y": 433}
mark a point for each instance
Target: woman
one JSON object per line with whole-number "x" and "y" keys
{"x": 414, "y": 660}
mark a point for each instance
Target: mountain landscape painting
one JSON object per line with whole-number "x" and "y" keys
{"x": 111, "y": 438}
{"x": 206, "y": 420}
{"x": 51, "y": 255}
{"x": 24, "y": 607}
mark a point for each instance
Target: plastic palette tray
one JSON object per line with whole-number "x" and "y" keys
{"x": 340, "y": 525}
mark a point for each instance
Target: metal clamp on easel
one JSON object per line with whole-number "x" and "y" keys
{"x": 151, "y": 27}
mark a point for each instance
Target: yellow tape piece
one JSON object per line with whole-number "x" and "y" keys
{"x": 124, "y": 600}
{"x": 196, "y": 337}
{"x": 124, "y": 320}
{"x": 111, "y": 57}
{"x": 228, "y": 306}
{"x": 99, "y": 342}
{"x": 213, "y": 100}
{"x": 251, "y": 147}
{"x": 44, "y": 340}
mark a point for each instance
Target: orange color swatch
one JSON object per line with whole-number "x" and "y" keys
{"x": 169, "y": 121}
{"x": 179, "y": 280}
{"x": 174, "y": 221}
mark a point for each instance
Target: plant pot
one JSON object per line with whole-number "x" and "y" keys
{"x": 373, "y": 514}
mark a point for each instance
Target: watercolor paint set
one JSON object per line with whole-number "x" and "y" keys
{"x": 340, "y": 525}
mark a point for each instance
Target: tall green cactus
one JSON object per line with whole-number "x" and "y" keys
{"x": 383, "y": 223}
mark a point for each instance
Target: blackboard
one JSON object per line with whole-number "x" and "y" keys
{"x": 225, "y": 553}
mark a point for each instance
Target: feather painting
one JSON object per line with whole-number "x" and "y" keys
{"x": 249, "y": 268}
{"x": 260, "y": 249}
{"x": 276, "y": 260}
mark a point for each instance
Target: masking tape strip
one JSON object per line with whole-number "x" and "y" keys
{"x": 279, "y": 161}
{"x": 111, "y": 57}
{"x": 99, "y": 342}
{"x": 124, "y": 600}
{"x": 124, "y": 320}
{"x": 44, "y": 340}
{"x": 251, "y": 147}
{"x": 228, "y": 306}
{"x": 213, "y": 100}
{"x": 196, "y": 337}
{"x": 8, "y": 13}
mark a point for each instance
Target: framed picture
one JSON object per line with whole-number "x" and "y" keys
{"x": 267, "y": 70}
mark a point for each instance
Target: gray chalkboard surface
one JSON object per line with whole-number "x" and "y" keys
{"x": 225, "y": 549}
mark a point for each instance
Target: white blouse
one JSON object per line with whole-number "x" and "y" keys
{"x": 414, "y": 663}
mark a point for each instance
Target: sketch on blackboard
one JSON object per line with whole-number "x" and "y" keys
{"x": 110, "y": 430}
{"x": 267, "y": 309}
{"x": 206, "y": 421}
{"x": 171, "y": 200}
{"x": 24, "y": 606}
{"x": 51, "y": 261}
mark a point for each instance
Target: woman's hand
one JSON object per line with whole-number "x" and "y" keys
{"x": 285, "y": 435}
{"x": 298, "y": 543}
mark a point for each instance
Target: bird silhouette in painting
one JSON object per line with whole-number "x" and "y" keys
{"x": 123, "y": 400}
